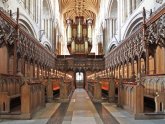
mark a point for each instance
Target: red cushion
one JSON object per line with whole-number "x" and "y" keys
{"x": 56, "y": 87}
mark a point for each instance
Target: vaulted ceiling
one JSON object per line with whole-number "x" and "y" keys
{"x": 86, "y": 8}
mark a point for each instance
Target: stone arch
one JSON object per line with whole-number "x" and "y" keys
{"x": 111, "y": 29}
{"x": 47, "y": 45}
{"x": 26, "y": 27}
{"x": 134, "y": 24}
{"x": 26, "y": 24}
{"x": 112, "y": 46}
{"x": 47, "y": 18}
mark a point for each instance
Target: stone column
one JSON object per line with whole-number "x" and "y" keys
{"x": 119, "y": 18}
{"x": 31, "y": 8}
{"x": 50, "y": 37}
{"x": 108, "y": 31}
{"x": 69, "y": 30}
{"x": 114, "y": 24}
{"x": 105, "y": 37}
{"x": 53, "y": 34}
{"x": 89, "y": 30}
{"x": 48, "y": 31}
{"x": 41, "y": 20}
{"x": 125, "y": 10}
{"x": 128, "y": 8}
{"x": 133, "y": 4}
{"x": 111, "y": 29}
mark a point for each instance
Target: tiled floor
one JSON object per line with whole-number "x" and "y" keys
{"x": 124, "y": 117}
{"x": 81, "y": 110}
{"x": 106, "y": 116}
{"x": 41, "y": 117}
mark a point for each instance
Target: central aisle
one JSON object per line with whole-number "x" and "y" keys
{"x": 81, "y": 110}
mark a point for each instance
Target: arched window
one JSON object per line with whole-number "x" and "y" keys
{"x": 79, "y": 76}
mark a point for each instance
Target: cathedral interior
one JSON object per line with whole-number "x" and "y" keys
{"x": 82, "y": 61}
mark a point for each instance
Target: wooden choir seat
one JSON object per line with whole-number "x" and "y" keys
{"x": 9, "y": 92}
{"x": 55, "y": 87}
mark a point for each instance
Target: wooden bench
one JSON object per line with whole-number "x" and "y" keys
{"x": 9, "y": 92}
{"x": 6, "y": 102}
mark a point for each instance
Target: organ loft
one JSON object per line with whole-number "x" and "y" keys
{"x": 79, "y": 35}
{"x": 82, "y": 61}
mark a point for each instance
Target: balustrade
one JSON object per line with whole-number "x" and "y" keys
{"x": 135, "y": 50}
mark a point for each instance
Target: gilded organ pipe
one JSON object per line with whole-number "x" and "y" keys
{"x": 79, "y": 35}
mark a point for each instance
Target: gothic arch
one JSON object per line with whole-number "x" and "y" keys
{"x": 111, "y": 47}
{"x": 47, "y": 45}
{"x": 26, "y": 24}
{"x": 134, "y": 24}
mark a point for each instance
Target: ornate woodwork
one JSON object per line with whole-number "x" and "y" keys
{"x": 87, "y": 63}
{"x": 141, "y": 44}
{"x": 27, "y": 47}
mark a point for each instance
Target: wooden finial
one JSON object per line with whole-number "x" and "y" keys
{"x": 150, "y": 12}
{"x": 17, "y": 15}
{"x": 11, "y": 13}
{"x": 144, "y": 14}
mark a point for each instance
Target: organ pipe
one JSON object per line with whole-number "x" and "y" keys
{"x": 69, "y": 30}
{"x": 79, "y": 35}
{"x": 89, "y": 30}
